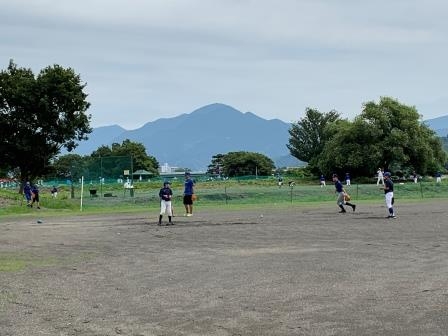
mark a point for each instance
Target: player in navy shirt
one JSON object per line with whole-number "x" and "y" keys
{"x": 341, "y": 195}
{"x": 389, "y": 194}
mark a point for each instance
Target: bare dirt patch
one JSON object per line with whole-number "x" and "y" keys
{"x": 292, "y": 271}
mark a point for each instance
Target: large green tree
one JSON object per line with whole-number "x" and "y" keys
{"x": 128, "y": 148}
{"x": 308, "y": 137}
{"x": 386, "y": 134}
{"x": 69, "y": 166}
{"x": 244, "y": 163}
{"x": 216, "y": 166}
{"x": 39, "y": 115}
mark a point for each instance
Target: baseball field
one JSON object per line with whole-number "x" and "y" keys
{"x": 256, "y": 270}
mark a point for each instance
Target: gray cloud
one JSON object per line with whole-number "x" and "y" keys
{"x": 143, "y": 60}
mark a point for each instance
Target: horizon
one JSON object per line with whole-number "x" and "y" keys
{"x": 156, "y": 59}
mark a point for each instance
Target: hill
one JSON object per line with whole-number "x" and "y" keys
{"x": 190, "y": 140}
{"x": 439, "y": 125}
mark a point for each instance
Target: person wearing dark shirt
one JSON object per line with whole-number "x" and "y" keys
{"x": 165, "y": 195}
{"x": 347, "y": 179}
{"x": 322, "y": 181}
{"x": 188, "y": 195}
{"x": 438, "y": 177}
{"x": 389, "y": 194}
{"x": 341, "y": 195}
{"x": 54, "y": 192}
{"x": 28, "y": 194}
{"x": 35, "y": 196}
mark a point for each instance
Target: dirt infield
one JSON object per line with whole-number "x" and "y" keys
{"x": 293, "y": 271}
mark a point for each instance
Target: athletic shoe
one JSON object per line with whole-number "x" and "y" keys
{"x": 159, "y": 224}
{"x": 354, "y": 207}
{"x": 342, "y": 211}
{"x": 391, "y": 216}
{"x": 189, "y": 215}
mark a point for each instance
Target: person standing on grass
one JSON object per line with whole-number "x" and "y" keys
{"x": 438, "y": 177}
{"x": 188, "y": 195}
{"x": 28, "y": 193}
{"x": 389, "y": 194}
{"x": 54, "y": 192}
{"x": 380, "y": 177}
{"x": 322, "y": 181}
{"x": 165, "y": 195}
{"x": 341, "y": 195}
{"x": 35, "y": 196}
{"x": 347, "y": 179}
{"x": 415, "y": 176}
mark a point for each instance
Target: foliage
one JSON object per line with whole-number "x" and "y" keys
{"x": 40, "y": 115}
{"x": 308, "y": 137}
{"x": 216, "y": 166}
{"x": 402, "y": 139}
{"x": 140, "y": 159}
{"x": 387, "y": 134}
{"x": 242, "y": 163}
{"x": 68, "y": 166}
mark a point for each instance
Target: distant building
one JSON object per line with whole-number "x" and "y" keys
{"x": 166, "y": 169}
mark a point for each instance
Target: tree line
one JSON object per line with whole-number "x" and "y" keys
{"x": 42, "y": 114}
{"x": 387, "y": 134}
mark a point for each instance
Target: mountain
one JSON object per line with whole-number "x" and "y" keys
{"x": 439, "y": 125}
{"x": 190, "y": 140}
{"x": 99, "y": 136}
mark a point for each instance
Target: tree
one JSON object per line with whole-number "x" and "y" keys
{"x": 245, "y": 163}
{"x": 216, "y": 166}
{"x": 39, "y": 115}
{"x": 307, "y": 136}
{"x": 387, "y": 134}
{"x": 351, "y": 147}
{"x": 136, "y": 150}
{"x": 405, "y": 141}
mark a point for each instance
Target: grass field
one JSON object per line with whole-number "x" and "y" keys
{"x": 213, "y": 193}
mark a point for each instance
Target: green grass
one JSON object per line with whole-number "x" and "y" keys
{"x": 15, "y": 262}
{"x": 210, "y": 194}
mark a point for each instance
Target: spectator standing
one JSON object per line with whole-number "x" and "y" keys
{"x": 389, "y": 194}
{"x": 188, "y": 195}
{"x": 165, "y": 195}
{"x": 380, "y": 177}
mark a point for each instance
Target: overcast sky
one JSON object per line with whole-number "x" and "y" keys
{"x": 148, "y": 59}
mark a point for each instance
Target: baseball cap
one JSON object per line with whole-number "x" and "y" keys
{"x": 387, "y": 174}
{"x": 166, "y": 182}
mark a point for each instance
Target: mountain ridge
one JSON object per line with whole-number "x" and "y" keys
{"x": 189, "y": 140}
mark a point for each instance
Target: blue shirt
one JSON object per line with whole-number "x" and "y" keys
{"x": 338, "y": 186}
{"x": 388, "y": 186}
{"x": 27, "y": 189}
{"x": 165, "y": 193}
{"x": 188, "y": 190}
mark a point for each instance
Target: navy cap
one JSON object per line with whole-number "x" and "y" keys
{"x": 387, "y": 174}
